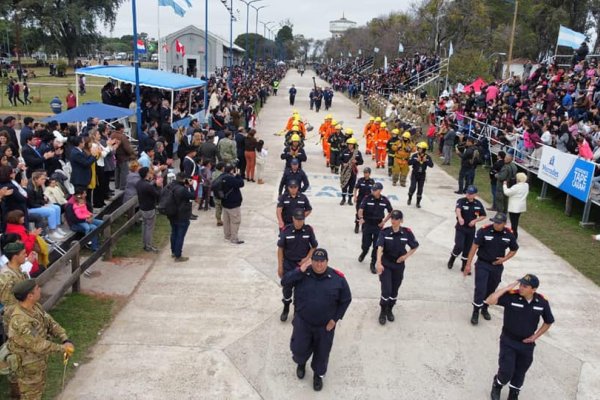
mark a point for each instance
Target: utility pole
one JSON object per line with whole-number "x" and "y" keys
{"x": 512, "y": 40}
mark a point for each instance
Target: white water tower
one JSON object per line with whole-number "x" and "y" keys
{"x": 338, "y": 27}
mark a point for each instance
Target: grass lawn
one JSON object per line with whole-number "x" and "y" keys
{"x": 83, "y": 317}
{"x": 130, "y": 244}
{"x": 547, "y": 221}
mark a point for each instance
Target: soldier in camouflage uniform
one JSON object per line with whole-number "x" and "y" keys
{"x": 16, "y": 254}
{"x": 28, "y": 332}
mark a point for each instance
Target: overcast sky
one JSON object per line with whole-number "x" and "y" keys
{"x": 310, "y": 17}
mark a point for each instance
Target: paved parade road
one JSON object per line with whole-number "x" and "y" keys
{"x": 210, "y": 329}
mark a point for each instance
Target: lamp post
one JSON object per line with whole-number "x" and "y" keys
{"x": 265, "y": 24}
{"x": 256, "y": 27}
{"x": 247, "y": 3}
{"x": 232, "y": 18}
{"x": 205, "y": 61}
{"x": 136, "y": 64}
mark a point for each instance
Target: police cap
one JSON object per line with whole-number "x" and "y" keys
{"x": 294, "y": 161}
{"x": 320, "y": 255}
{"x": 377, "y": 186}
{"x": 397, "y": 214}
{"x": 472, "y": 189}
{"x": 299, "y": 214}
{"x": 499, "y": 218}
{"x": 530, "y": 280}
{"x": 23, "y": 288}
{"x": 292, "y": 182}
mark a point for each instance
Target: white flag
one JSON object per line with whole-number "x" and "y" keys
{"x": 359, "y": 52}
{"x": 376, "y": 49}
{"x": 349, "y": 54}
{"x": 450, "y": 50}
{"x": 385, "y": 64}
{"x": 400, "y": 48}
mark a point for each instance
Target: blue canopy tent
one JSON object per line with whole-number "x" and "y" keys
{"x": 91, "y": 109}
{"x": 148, "y": 77}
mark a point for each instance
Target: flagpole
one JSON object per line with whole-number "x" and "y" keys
{"x": 206, "y": 60}
{"x": 512, "y": 40}
{"x": 136, "y": 64}
{"x": 159, "y": 48}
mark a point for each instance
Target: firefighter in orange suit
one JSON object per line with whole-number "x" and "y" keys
{"x": 366, "y": 134}
{"x": 373, "y": 136}
{"x": 324, "y": 133}
{"x": 381, "y": 140}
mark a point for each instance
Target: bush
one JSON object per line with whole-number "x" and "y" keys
{"x": 61, "y": 69}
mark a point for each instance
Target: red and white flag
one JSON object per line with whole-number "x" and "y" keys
{"x": 165, "y": 48}
{"x": 141, "y": 47}
{"x": 179, "y": 48}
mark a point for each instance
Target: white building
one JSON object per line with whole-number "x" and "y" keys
{"x": 338, "y": 27}
{"x": 192, "y": 62}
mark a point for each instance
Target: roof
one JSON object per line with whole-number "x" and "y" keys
{"x": 90, "y": 110}
{"x": 148, "y": 77}
{"x": 198, "y": 31}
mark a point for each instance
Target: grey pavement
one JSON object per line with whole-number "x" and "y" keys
{"x": 210, "y": 329}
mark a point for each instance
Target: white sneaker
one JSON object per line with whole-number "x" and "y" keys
{"x": 56, "y": 236}
{"x": 61, "y": 231}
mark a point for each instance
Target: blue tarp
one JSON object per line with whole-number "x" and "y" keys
{"x": 148, "y": 77}
{"x": 91, "y": 109}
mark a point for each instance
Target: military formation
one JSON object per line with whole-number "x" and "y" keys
{"x": 320, "y": 295}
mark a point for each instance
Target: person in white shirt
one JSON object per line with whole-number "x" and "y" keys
{"x": 517, "y": 200}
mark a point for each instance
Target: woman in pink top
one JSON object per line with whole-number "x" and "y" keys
{"x": 584, "y": 148}
{"x": 491, "y": 93}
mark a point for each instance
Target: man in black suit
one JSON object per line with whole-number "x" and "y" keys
{"x": 81, "y": 164}
{"x": 35, "y": 157}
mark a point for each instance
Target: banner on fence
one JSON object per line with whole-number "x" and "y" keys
{"x": 569, "y": 173}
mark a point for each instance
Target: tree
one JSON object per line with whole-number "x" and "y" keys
{"x": 285, "y": 43}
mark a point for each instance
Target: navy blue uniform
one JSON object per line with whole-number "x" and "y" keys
{"x": 521, "y": 320}
{"x": 318, "y": 299}
{"x": 295, "y": 244}
{"x": 373, "y": 213}
{"x": 292, "y": 92}
{"x": 492, "y": 245}
{"x": 289, "y": 153}
{"x": 464, "y": 234}
{"x": 291, "y": 175}
{"x": 394, "y": 246}
{"x": 288, "y": 204}
{"x": 419, "y": 163}
{"x": 364, "y": 189}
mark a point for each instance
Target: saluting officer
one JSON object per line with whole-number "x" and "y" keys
{"x": 469, "y": 211}
{"x": 321, "y": 300}
{"x": 296, "y": 174}
{"x": 295, "y": 246}
{"x": 289, "y": 202}
{"x": 372, "y": 217}
{"x": 523, "y": 308}
{"x": 391, "y": 255}
{"x": 490, "y": 244}
{"x": 361, "y": 190}
{"x": 419, "y": 161}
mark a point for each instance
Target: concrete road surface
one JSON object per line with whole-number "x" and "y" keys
{"x": 210, "y": 329}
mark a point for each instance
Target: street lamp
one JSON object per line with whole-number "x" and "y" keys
{"x": 248, "y": 3}
{"x": 265, "y": 24}
{"x": 256, "y": 32}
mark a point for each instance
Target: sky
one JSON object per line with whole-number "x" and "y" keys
{"x": 309, "y": 17}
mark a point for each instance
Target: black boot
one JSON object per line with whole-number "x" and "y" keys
{"x": 343, "y": 201}
{"x": 383, "y": 315}
{"x": 373, "y": 269}
{"x": 362, "y": 256}
{"x": 301, "y": 371}
{"x": 409, "y": 200}
{"x": 317, "y": 383}
{"x": 418, "y": 201}
{"x": 350, "y": 203}
{"x": 451, "y": 261}
{"x": 356, "y": 226}
{"x": 285, "y": 312}
{"x": 475, "y": 316}
{"x": 513, "y": 394}
{"x": 485, "y": 313}
{"x": 496, "y": 389}
{"x": 389, "y": 314}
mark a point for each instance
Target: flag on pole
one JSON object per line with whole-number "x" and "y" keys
{"x": 359, "y": 52}
{"x": 570, "y": 38}
{"x": 385, "y": 64}
{"x": 179, "y": 48}
{"x": 141, "y": 47}
{"x": 349, "y": 54}
{"x": 450, "y": 50}
{"x": 376, "y": 49}
{"x": 165, "y": 48}
{"x": 400, "y": 48}
{"x": 171, "y": 3}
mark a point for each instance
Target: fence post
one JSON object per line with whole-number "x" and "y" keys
{"x": 108, "y": 235}
{"x": 75, "y": 265}
{"x": 544, "y": 192}
{"x": 585, "y": 220}
{"x": 569, "y": 206}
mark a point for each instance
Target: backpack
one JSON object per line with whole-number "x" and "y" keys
{"x": 217, "y": 188}
{"x": 167, "y": 204}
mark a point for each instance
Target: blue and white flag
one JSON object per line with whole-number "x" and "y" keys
{"x": 188, "y": 2}
{"x": 570, "y": 38}
{"x": 171, "y": 3}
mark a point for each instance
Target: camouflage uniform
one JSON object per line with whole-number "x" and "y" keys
{"x": 8, "y": 279}
{"x": 28, "y": 333}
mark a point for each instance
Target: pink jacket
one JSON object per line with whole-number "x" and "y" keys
{"x": 585, "y": 151}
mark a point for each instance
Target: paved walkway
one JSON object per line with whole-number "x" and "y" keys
{"x": 210, "y": 329}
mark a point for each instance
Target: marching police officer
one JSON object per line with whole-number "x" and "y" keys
{"x": 321, "y": 300}
{"x": 391, "y": 255}
{"x": 419, "y": 161}
{"x": 490, "y": 244}
{"x": 469, "y": 211}
{"x": 361, "y": 190}
{"x": 296, "y": 174}
{"x": 372, "y": 217}
{"x": 289, "y": 202}
{"x": 295, "y": 246}
{"x": 523, "y": 308}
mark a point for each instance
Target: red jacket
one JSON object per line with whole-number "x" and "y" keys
{"x": 28, "y": 240}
